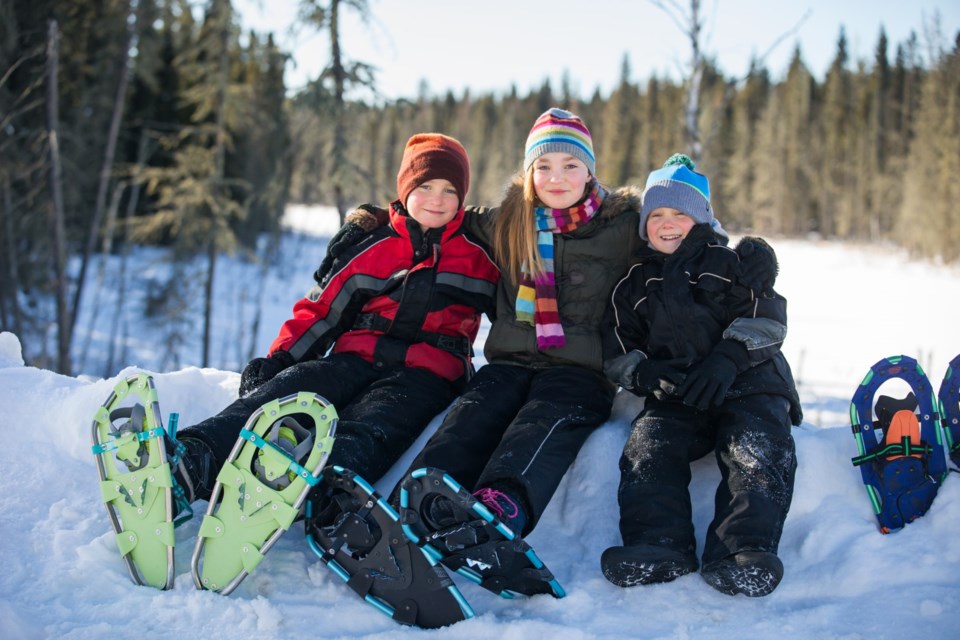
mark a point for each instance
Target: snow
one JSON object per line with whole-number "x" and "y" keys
{"x": 62, "y": 576}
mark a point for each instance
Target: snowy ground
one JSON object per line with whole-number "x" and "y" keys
{"x": 62, "y": 576}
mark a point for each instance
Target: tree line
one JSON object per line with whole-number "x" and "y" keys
{"x": 125, "y": 122}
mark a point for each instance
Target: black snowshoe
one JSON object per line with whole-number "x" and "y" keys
{"x": 353, "y": 530}
{"x": 477, "y": 545}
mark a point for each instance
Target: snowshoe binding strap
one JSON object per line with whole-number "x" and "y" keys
{"x": 357, "y": 535}
{"x": 261, "y": 488}
{"x": 293, "y": 443}
{"x": 479, "y": 546}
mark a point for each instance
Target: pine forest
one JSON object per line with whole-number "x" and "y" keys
{"x": 163, "y": 122}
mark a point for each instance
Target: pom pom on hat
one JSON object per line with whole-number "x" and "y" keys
{"x": 557, "y": 130}
{"x": 429, "y": 156}
{"x": 679, "y": 186}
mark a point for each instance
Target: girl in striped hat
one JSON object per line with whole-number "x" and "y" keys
{"x": 561, "y": 240}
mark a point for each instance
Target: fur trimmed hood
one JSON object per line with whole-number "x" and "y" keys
{"x": 628, "y": 198}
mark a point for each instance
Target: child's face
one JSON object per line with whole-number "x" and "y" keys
{"x": 433, "y": 203}
{"x": 666, "y": 228}
{"x": 559, "y": 179}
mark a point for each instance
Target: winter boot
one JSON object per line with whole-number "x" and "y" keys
{"x": 752, "y": 573}
{"x": 195, "y": 469}
{"x": 631, "y": 565}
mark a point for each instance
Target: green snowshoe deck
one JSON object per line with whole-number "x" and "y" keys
{"x": 260, "y": 490}
{"x": 135, "y": 481}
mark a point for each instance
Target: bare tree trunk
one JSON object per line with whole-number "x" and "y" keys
{"x": 101, "y": 273}
{"x": 208, "y": 299}
{"x": 269, "y": 254}
{"x": 690, "y": 24}
{"x": 12, "y": 279}
{"x": 115, "y": 334}
{"x": 56, "y": 194}
{"x": 105, "y": 171}
{"x": 692, "y": 114}
{"x": 219, "y": 159}
{"x": 339, "y": 119}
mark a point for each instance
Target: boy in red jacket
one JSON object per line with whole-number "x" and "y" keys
{"x": 387, "y": 338}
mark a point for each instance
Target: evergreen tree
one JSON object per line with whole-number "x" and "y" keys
{"x": 929, "y": 221}
{"x": 620, "y": 130}
{"x": 835, "y": 178}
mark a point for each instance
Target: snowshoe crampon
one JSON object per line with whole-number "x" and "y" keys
{"x": 949, "y": 397}
{"x": 358, "y": 536}
{"x": 480, "y": 547}
{"x": 901, "y": 457}
{"x": 135, "y": 480}
{"x": 261, "y": 488}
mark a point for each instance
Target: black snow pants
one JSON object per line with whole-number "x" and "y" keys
{"x": 519, "y": 429}
{"x": 382, "y": 411}
{"x": 751, "y": 439}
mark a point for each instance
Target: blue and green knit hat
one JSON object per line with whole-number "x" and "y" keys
{"x": 557, "y": 130}
{"x": 677, "y": 185}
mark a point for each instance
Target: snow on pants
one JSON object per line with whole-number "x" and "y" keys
{"x": 751, "y": 439}
{"x": 519, "y": 429}
{"x": 382, "y": 411}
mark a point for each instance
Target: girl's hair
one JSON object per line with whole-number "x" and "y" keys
{"x": 515, "y": 235}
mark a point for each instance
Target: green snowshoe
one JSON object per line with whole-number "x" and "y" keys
{"x": 262, "y": 487}
{"x": 135, "y": 480}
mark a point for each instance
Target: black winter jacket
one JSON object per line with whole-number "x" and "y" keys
{"x": 683, "y": 306}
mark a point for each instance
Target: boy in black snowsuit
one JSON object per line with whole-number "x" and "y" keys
{"x": 703, "y": 351}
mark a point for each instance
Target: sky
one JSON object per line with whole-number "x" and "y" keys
{"x": 487, "y": 46}
{"x": 63, "y": 577}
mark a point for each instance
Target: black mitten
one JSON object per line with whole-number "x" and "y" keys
{"x": 656, "y": 377}
{"x": 758, "y": 264}
{"x": 260, "y": 370}
{"x": 707, "y": 383}
{"x": 356, "y": 226}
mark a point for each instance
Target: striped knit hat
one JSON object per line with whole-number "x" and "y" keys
{"x": 679, "y": 186}
{"x": 557, "y": 130}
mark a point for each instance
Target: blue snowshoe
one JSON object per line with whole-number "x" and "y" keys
{"x": 901, "y": 456}
{"x": 949, "y": 397}
{"x": 357, "y": 534}
{"x": 474, "y": 543}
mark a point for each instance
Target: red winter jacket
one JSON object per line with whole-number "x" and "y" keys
{"x": 403, "y": 297}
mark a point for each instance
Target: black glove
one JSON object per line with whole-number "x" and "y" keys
{"x": 356, "y": 226}
{"x": 658, "y": 378}
{"x": 259, "y": 370}
{"x": 758, "y": 264}
{"x": 707, "y": 383}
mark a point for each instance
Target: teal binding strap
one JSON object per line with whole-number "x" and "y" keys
{"x": 293, "y": 466}
{"x": 183, "y": 509}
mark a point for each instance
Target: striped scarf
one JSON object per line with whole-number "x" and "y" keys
{"x": 537, "y": 297}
